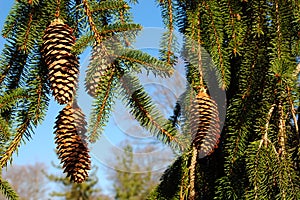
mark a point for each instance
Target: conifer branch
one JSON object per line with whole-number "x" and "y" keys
{"x": 185, "y": 177}
{"x": 9, "y": 29}
{"x": 192, "y": 169}
{"x": 167, "y": 42}
{"x": 282, "y": 131}
{"x": 250, "y": 80}
{"x": 219, "y": 46}
{"x": 9, "y": 99}
{"x": 119, "y": 28}
{"x": 100, "y": 113}
{"x": 6, "y": 66}
{"x": 293, "y": 111}
{"x": 11, "y": 22}
{"x": 122, "y": 19}
{"x": 82, "y": 43}
{"x": 15, "y": 143}
{"x": 4, "y": 73}
{"x": 153, "y": 64}
{"x": 182, "y": 189}
{"x": 39, "y": 99}
{"x": 278, "y": 29}
{"x": 7, "y": 190}
{"x": 194, "y": 17}
{"x": 109, "y": 5}
{"x": 265, "y": 138}
{"x": 256, "y": 170}
{"x": 91, "y": 21}
{"x": 146, "y": 113}
{"x": 171, "y": 29}
{"x": 282, "y": 155}
{"x": 234, "y": 17}
{"x": 4, "y": 129}
{"x": 27, "y": 32}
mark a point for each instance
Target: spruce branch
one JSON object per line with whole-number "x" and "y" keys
{"x": 102, "y": 106}
{"x": 278, "y": 29}
{"x": 259, "y": 164}
{"x": 12, "y": 65}
{"x": 171, "y": 28}
{"x": 167, "y": 13}
{"x": 196, "y": 40}
{"x": 221, "y": 57}
{"x": 4, "y": 129}
{"x": 112, "y": 28}
{"x": 91, "y": 21}
{"x": 192, "y": 169}
{"x": 232, "y": 22}
{"x": 235, "y": 28}
{"x": 40, "y": 99}
{"x": 7, "y": 190}
{"x": 15, "y": 142}
{"x": 293, "y": 112}
{"x": 123, "y": 22}
{"x": 109, "y": 6}
{"x": 265, "y": 138}
{"x": 286, "y": 171}
{"x": 27, "y": 32}
{"x": 82, "y": 43}
{"x": 282, "y": 131}
{"x": 146, "y": 113}
{"x": 135, "y": 56}
{"x": 9, "y": 98}
{"x": 184, "y": 181}
{"x": 11, "y": 22}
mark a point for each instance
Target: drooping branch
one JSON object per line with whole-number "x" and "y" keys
{"x": 103, "y": 101}
{"x": 15, "y": 143}
{"x": 219, "y": 45}
{"x": 147, "y": 114}
{"x": 192, "y": 169}
{"x": 91, "y": 21}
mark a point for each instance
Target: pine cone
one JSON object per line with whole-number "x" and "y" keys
{"x": 205, "y": 124}
{"x": 99, "y": 69}
{"x": 62, "y": 64}
{"x": 71, "y": 145}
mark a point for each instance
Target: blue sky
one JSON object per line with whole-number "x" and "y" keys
{"x": 41, "y": 147}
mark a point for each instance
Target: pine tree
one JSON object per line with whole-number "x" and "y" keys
{"x": 253, "y": 46}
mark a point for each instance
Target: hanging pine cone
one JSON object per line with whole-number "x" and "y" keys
{"x": 71, "y": 146}
{"x": 99, "y": 69}
{"x": 62, "y": 64}
{"x": 205, "y": 124}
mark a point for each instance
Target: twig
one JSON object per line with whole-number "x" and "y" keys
{"x": 192, "y": 193}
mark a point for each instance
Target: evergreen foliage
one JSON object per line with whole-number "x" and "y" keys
{"x": 7, "y": 190}
{"x": 253, "y": 46}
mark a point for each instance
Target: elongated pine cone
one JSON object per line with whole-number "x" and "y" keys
{"x": 71, "y": 145}
{"x": 63, "y": 66}
{"x": 99, "y": 69}
{"x": 205, "y": 124}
